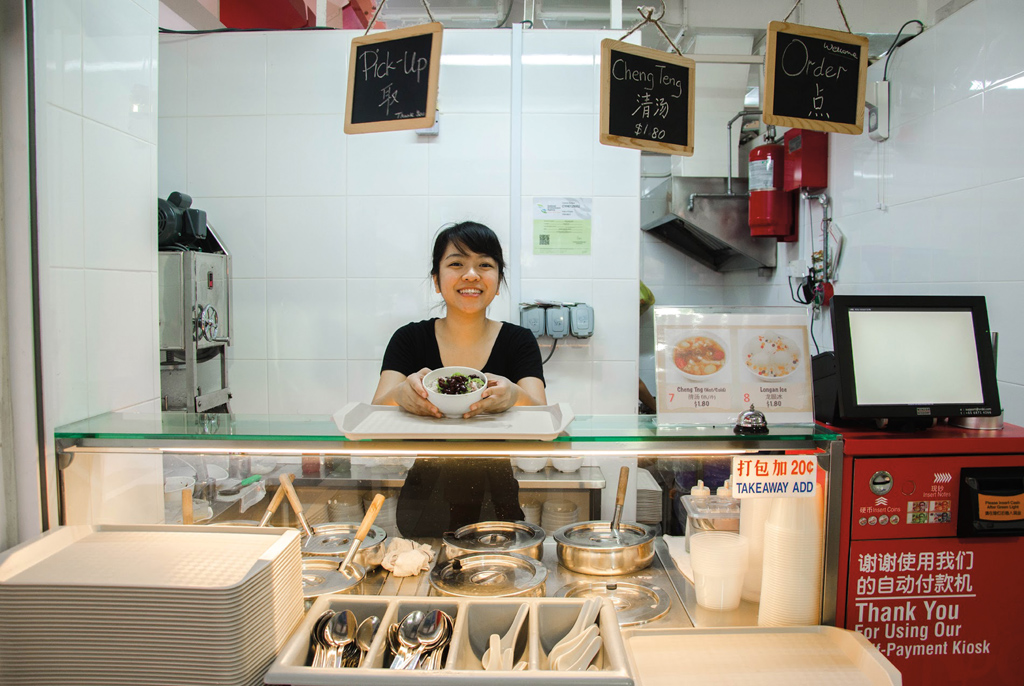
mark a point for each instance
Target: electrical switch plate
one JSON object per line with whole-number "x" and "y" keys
{"x": 581, "y": 320}
{"x": 557, "y": 322}
{"x": 877, "y": 102}
{"x": 533, "y": 319}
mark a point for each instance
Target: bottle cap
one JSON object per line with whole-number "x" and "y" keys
{"x": 700, "y": 490}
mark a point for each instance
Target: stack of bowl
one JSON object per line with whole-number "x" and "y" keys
{"x": 558, "y": 513}
{"x": 719, "y": 560}
{"x": 792, "y": 568}
{"x": 346, "y": 506}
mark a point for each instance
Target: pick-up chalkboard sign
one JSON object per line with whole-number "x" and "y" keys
{"x": 392, "y": 80}
{"x": 646, "y": 99}
{"x": 815, "y": 78}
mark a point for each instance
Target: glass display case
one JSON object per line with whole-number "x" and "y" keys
{"x": 132, "y": 469}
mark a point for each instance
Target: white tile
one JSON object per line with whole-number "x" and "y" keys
{"x": 227, "y": 156}
{"x": 569, "y": 382}
{"x": 615, "y": 388}
{"x": 119, "y": 204}
{"x": 392, "y": 163}
{"x": 615, "y": 238}
{"x": 227, "y": 74}
{"x": 997, "y": 236}
{"x": 173, "y": 75}
{"x": 307, "y": 72}
{"x": 363, "y": 376}
{"x": 956, "y": 259}
{"x": 306, "y": 386}
{"x": 853, "y": 172}
{"x": 248, "y": 319}
{"x": 150, "y": 6}
{"x": 912, "y": 78}
{"x": 66, "y": 365}
{"x": 247, "y": 380}
{"x": 59, "y": 52}
{"x": 909, "y": 154}
{"x": 120, "y": 317}
{"x": 1004, "y": 53}
{"x": 558, "y": 72}
{"x": 476, "y": 71}
{"x": 616, "y": 319}
{"x": 306, "y": 237}
{"x": 1011, "y": 396}
{"x": 119, "y": 63}
{"x": 616, "y": 170}
{"x": 306, "y": 154}
{"x": 306, "y": 319}
{"x": 959, "y": 61}
{"x": 1001, "y": 135}
{"x": 958, "y": 162}
{"x": 61, "y": 187}
{"x": 388, "y": 236}
{"x": 172, "y": 155}
{"x": 378, "y": 307}
{"x": 242, "y": 224}
{"x": 558, "y": 154}
{"x": 470, "y": 156}
{"x": 491, "y": 211}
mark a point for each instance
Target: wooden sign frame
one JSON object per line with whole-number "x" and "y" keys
{"x": 776, "y": 27}
{"x": 435, "y": 30}
{"x": 606, "y": 137}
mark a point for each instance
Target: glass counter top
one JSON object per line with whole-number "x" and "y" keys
{"x": 321, "y": 428}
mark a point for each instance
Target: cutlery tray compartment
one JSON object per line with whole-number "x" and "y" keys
{"x": 475, "y": 619}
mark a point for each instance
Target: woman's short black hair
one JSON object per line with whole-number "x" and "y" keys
{"x": 468, "y": 237}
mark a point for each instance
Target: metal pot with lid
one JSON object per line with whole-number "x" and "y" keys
{"x": 495, "y": 575}
{"x": 495, "y": 537}
{"x": 606, "y": 548}
{"x": 335, "y": 538}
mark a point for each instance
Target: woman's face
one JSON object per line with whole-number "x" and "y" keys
{"x": 467, "y": 281}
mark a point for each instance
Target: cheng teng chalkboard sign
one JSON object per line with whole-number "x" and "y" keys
{"x": 815, "y": 78}
{"x": 646, "y": 99}
{"x": 392, "y": 80}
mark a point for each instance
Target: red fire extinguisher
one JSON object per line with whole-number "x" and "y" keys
{"x": 771, "y": 207}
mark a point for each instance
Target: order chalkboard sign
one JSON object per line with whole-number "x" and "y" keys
{"x": 392, "y": 80}
{"x": 815, "y": 78}
{"x": 646, "y": 99}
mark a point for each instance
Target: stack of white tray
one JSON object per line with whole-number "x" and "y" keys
{"x": 648, "y": 498}
{"x": 148, "y": 604}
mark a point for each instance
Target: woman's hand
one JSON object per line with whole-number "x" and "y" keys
{"x": 500, "y": 395}
{"x": 408, "y": 393}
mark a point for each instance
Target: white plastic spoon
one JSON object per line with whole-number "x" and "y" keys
{"x": 583, "y": 657}
{"x": 565, "y": 654}
{"x": 588, "y": 613}
{"x": 508, "y": 641}
{"x": 492, "y": 656}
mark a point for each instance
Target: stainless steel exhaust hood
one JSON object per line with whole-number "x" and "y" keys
{"x": 696, "y": 216}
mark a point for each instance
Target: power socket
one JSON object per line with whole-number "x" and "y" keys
{"x": 877, "y": 102}
{"x": 556, "y": 321}
{"x": 532, "y": 318}
{"x": 581, "y": 320}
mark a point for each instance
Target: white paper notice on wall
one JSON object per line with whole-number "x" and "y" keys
{"x": 774, "y": 476}
{"x": 714, "y": 363}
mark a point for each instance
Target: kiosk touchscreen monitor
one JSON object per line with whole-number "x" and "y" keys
{"x": 903, "y": 357}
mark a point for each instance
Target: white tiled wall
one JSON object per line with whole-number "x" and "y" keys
{"x": 331, "y": 234}
{"x": 96, "y": 133}
{"x": 936, "y": 208}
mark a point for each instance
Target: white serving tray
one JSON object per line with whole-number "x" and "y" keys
{"x": 360, "y": 421}
{"x": 549, "y": 619}
{"x": 758, "y": 656}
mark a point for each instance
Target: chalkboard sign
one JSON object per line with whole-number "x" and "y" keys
{"x": 392, "y": 80}
{"x": 815, "y": 78}
{"x": 646, "y": 99}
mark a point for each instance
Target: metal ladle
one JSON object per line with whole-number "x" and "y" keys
{"x": 620, "y": 499}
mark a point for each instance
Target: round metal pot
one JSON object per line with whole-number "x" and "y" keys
{"x": 495, "y": 537}
{"x": 593, "y": 548}
{"x": 335, "y": 538}
{"x": 492, "y": 575}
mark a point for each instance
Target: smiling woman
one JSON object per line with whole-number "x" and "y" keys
{"x": 468, "y": 270}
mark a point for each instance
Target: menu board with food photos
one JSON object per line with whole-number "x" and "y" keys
{"x": 714, "y": 363}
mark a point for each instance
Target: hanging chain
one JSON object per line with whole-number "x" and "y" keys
{"x": 431, "y": 16}
{"x": 647, "y": 14}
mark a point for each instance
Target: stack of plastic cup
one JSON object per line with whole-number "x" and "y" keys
{"x": 719, "y": 560}
{"x": 792, "y": 573}
{"x": 753, "y": 515}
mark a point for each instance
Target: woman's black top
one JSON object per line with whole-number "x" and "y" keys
{"x": 444, "y": 494}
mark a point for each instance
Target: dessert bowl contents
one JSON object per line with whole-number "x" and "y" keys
{"x": 699, "y": 355}
{"x": 772, "y": 356}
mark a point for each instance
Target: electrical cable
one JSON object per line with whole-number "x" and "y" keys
{"x": 507, "y": 15}
{"x": 888, "y": 53}
{"x": 553, "y": 346}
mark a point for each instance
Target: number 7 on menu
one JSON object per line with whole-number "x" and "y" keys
{"x": 646, "y": 99}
